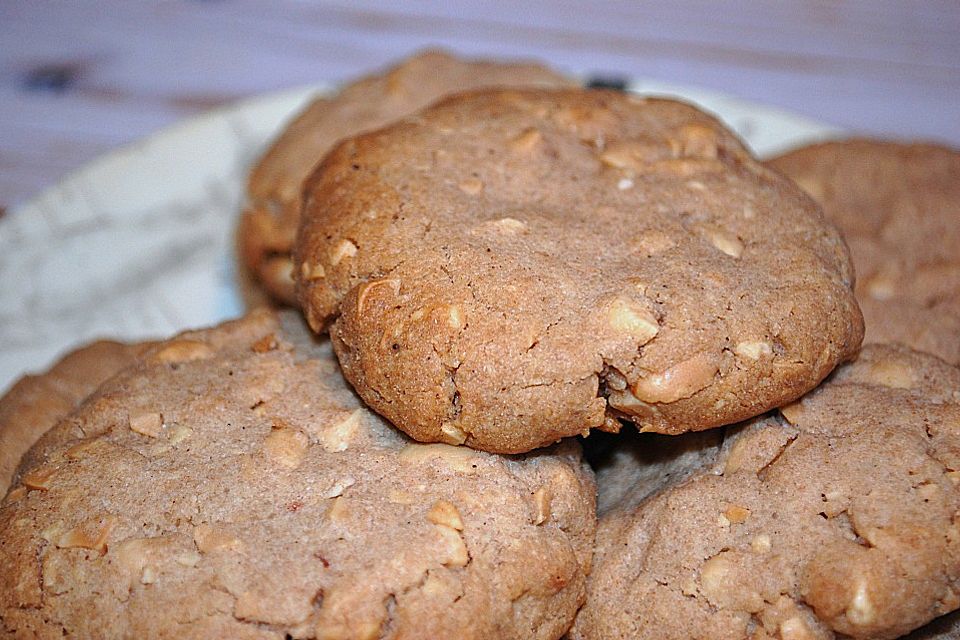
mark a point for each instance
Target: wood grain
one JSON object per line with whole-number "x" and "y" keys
{"x": 77, "y": 79}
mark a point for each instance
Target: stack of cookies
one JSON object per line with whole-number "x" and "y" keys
{"x": 497, "y": 276}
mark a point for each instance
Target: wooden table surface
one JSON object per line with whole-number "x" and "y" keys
{"x": 80, "y": 78}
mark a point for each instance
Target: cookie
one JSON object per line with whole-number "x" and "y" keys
{"x": 510, "y": 267}
{"x": 898, "y": 205}
{"x": 37, "y": 402}
{"x": 230, "y": 484}
{"x": 836, "y": 517}
{"x": 269, "y": 223}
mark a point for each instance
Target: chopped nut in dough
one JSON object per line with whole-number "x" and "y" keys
{"x": 87, "y": 448}
{"x": 339, "y": 487}
{"x": 761, "y": 543}
{"x": 793, "y": 412}
{"x": 312, "y": 271}
{"x": 795, "y": 629}
{"x": 40, "y": 478}
{"x": 92, "y": 535}
{"x": 459, "y": 459}
{"x": 452, "y": 434}
{"x": 682, "y": 380}
{"x": 337, "y": 437}
{"x": 149, "y": 575}
{"x": 374, "y": 286}
{"x": 631, "y": 155}
{"x": 541, "y": 503}
{"x": 209, "y": 538}
{"x": 343, "y": 249}
{"x": 179, "y": 351}
{"x": 509, "y": 226}
{"x": 860, "y": 610}
{"x": 736, "y": 514}
{"x": 455, "y": 317}
{"x": 888, "y": 373}
{"x": 653, "y": 242}
{"x": 265, "y": 344}
{"x": 454, "y": 550}
{"x": 339, "y": 511}
{"x": 189, "y": 559}
{"x": 723, "y": 240}
{"x": 695, "y": 140}
{"x": 287, "y": 447}
{"x": 445, "y": 513}
{"x": 753, "y": 349}
{"x": 527, "y": 139}
{"x": 147, "y": 423}
{"x": 713, "y": 577}
{"x": 179, "y": 433}
{"x": 631, "y": 317}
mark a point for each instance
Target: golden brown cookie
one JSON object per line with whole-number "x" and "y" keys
{"x": 839, "y": 516}
{"x": 37, "y": 402}
{"x": 898, "y": 205}
{"x": 269, "y": 223}
{"x": 231, "y": 485}
{"x": 510, "y": 267}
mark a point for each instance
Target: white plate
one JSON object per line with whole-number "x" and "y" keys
{"x": 138, "y": 244}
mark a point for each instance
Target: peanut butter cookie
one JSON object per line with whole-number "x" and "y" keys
{"x": 898, "y": 206}
{"x": 510, "y": 267}
{"x": 37, "y": 402}
{"x": 836, "y": 517}
{"x": 231, "y": 485}
{"x": 269, "y": 223}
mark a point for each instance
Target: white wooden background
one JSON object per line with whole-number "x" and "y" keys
{"x": 80, "y": 77}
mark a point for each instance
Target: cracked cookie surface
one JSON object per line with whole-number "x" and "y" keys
{"x": 837, "y": 517}
{"x": 230, "y": 484}
{"x": 35, "y": 403}
{"x": 898, "y": 206}
{"x": 507, "y": 268}
{"x": 269, "y": 222}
